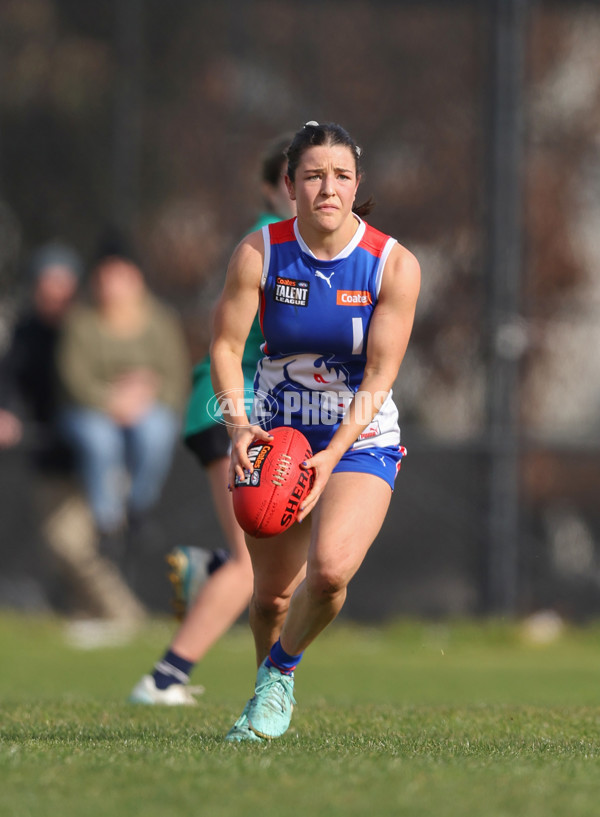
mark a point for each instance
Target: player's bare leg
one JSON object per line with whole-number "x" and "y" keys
{"x": 218, "y": 477}
{"x": 226, "y": 594}
{"x": 218, "y": 604}
{"x": 275, "y": 582}
{"x": 346, "y": 521}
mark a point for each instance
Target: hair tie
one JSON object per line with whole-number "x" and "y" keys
{"x": 312, "y": 124}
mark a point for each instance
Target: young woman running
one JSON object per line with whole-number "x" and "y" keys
{"x": 337, "y": 301}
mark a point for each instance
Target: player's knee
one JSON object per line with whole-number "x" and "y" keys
{"x": 269, "y": 605}
{"x": 326, "y": 583}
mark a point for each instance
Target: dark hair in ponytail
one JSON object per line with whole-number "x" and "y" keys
{"x": 313, "y": 134}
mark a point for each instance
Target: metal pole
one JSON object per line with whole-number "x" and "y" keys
{"x": 506, "y": 335}
{"x": 128, "y": 112}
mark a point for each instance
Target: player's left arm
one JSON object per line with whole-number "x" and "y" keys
{"x": 389, "y": 333}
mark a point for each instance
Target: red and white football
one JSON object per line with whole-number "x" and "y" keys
{"x": 267, "y": 501}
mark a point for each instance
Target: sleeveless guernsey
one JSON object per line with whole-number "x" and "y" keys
{"x": 315, "y": 318}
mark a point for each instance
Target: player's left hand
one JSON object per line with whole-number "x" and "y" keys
{"x": 322, "y": 464}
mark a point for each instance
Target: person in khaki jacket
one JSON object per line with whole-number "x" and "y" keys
{"x": 124, "y": 368}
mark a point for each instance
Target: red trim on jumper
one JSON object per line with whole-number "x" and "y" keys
{"x": 282, "y": 231}
{"x": 373, "y": 241}
{"x": 261, "y": 313}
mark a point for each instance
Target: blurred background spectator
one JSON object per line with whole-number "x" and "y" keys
{"x": 29, "y": 404}
{"x": 124, "y": 370}
{"x": 27, "y": 371}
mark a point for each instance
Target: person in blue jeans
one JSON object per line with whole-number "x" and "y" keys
{"x": 123, "y": 366}
{"x": 107, "y": 451}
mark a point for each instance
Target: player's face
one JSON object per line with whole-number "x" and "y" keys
{"x": 325, "y": 186}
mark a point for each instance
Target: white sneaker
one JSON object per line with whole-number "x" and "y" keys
{"x": 146, "y": 692}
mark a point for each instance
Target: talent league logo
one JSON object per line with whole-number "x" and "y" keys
{"x": 289, "y": 291}
{"x": 226, "y": 405}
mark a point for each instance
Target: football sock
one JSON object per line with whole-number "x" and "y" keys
{"x": 280, "y": 659}
{"x": 172, "y": 669}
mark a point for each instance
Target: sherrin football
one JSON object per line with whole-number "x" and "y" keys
{"x": 267, "y": 501}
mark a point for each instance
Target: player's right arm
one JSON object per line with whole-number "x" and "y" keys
{"x": 232, "y": 320}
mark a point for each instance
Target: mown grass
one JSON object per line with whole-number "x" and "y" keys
{"x": 411, "y": 719}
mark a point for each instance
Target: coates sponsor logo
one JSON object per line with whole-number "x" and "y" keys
{"x": 354, "y": 297}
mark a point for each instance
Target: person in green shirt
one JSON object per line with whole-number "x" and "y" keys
{"x": 226, "y": 579}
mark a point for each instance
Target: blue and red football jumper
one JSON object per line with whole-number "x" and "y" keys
{"x": 315, "y": 318}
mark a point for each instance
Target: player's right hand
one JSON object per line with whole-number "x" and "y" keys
{"x": 241, "y": 437}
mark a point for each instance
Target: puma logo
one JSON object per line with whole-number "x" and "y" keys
{"x": 319, "y": 274}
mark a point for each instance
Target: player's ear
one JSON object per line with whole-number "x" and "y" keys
{"x": 290, "y": 187}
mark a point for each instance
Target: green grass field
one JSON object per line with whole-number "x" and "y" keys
{"x": 411, "y": 719}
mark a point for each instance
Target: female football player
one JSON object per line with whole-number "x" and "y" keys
{"x": 337, "y": 301}
{"x": 225, "y": 594}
